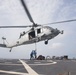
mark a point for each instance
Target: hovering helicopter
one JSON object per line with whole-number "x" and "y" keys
{"x": 36, "y": 34}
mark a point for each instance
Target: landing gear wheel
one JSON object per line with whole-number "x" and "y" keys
{"x": 10, "y": 50}
{"x": 46, "y": 42}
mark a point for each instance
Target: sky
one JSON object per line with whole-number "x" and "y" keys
{"x": 43, "y": 12}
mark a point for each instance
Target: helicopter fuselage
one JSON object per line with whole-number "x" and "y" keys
{"x": 41, "y": 33}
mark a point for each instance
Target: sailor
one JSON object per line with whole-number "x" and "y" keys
{"x": 31, "y": 55}
{"x": 22, "y": 34}
{"x": 35, "y": 54}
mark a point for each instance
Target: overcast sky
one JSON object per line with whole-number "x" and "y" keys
{"x": 42, "y": 11}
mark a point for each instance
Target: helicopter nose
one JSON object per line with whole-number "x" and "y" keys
{"x": 56, "y": 31}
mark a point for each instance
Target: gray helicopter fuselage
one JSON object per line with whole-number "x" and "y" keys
{"x": 34, "y": 35}
{"x": 40, "y": 34}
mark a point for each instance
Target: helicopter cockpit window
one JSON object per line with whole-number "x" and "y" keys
{"x": 38, "y": 31}
{"x": 32, "y": 35}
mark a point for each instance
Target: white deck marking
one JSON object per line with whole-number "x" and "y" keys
{"x": 10, "y": 64}
{"x": 29, "y": 69}
{"x": 11, "y": 72}
{"x": 37, "y": 62}
{"x": 51, "y": 63}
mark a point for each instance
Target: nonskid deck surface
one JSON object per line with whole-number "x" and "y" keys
{"x": 37, "y": 67}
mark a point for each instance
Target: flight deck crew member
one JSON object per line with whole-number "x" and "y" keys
{"x": 35, "y": 54}
{"x": 31, "y": 55}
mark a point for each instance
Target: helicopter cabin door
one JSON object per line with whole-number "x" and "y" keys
{"x": 31, "y": 34}
{"x": 39, "y": 32}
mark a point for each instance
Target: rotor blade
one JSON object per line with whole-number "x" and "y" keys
{"x": 61, "y": 22}
{"x": 14, "y": 26}
{"x": 27, "y": 11}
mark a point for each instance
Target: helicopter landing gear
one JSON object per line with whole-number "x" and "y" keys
{"x": 10, "y": 50}
{"x": 46, "y": 42}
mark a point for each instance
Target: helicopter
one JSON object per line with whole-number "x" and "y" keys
{"x": 36, "y": 34}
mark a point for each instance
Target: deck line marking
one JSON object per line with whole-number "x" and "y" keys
{"x": 7, "y": 62}
{"x": 28, "y": 68}
{"x": 45, "y": 63}
{"x": 12, "y": 72}
{"x": 10, "y": 64}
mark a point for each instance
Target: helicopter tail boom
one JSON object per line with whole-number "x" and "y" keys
{"x": 3, "y": 45}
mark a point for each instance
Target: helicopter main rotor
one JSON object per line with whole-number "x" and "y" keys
{"x": 31, "y": 19}
{"x": 23, "y": 26}
{"x": 28, "y": 13}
